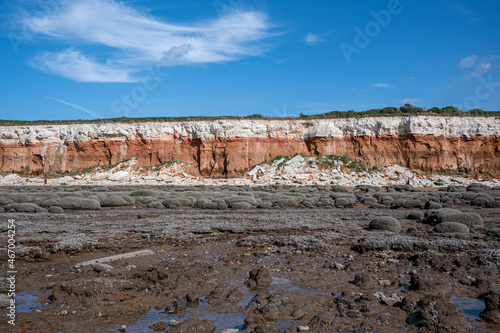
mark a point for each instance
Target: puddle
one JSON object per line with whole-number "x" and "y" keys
{"x": 286, "y": 324}
{"x": 221, "y": 320}
{"x": 472, "y": 307}
{"x": 304, "y": 290}
{"x": 247, "y": 298}
{"x": 285, "y": 284}
{"x": 27, "y": 302}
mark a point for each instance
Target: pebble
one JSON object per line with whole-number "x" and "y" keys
{"x": 98, "y": 267}
{"x": 338, "y": 266}
{"x": 303, "y": 328}
{"x": 174, "y": 322}
{"x": 386, "y": 283}
{"x": 4, "y": 300}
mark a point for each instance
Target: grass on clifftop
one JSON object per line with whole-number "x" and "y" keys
{"x": 406, "y": 110}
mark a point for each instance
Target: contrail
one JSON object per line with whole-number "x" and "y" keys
{"x": 78, "y": 107}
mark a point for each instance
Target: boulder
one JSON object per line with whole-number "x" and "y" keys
{"x": 416, "y": 216}
{"x": 25, "y": 207}
{"x": 113, "y": 200}
{"x": 241, "y": 205}
{"x": 119, "y": 176}
{"x": 79, "y": 203}
{"x": 194, "y": 325}
{"x": 386, "y": 223}
{"x": 433, "y": 314}
{"x": 432, "y": 205}
{"x": 259, "y": 278}
{"x": 434, "y": 217}
{"x": 451, "y": 227}
{"x": 363, "y": 280}
{"x": 492, "y": 302}
{"x": 344, "y": 203}
{"x": 55, "y": 210}
{"x": 265, "y": 204}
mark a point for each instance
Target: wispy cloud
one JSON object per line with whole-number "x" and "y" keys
{"x": 74, "y": 65}
{"x": 382, "y": 85}
{"x": 407, "y": 101}
{"x": 313, "y": 39}
{"x": 133, "y": 40}
{"x": 76, "y": 106}
{"x": 468, "y": 62}
{"x": 466, "y": 11}
{"x": 478, "y": 65}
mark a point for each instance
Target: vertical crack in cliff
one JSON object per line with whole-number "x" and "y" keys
{"x": 213, "y": 163}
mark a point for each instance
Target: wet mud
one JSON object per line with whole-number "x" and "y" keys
{"x": 313, "y": 266}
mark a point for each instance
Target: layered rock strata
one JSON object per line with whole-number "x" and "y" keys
{"x": 230, "y": 148}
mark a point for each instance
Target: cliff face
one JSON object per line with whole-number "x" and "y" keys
{"x": 230, "y": 148}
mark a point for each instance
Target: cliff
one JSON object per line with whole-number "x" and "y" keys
{"x": 230, "y": 148}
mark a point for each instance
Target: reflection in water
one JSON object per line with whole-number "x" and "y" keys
{"x": 221, "y": 320}
{"x": 27, "y": 302}
{"x": 472, "y": 307}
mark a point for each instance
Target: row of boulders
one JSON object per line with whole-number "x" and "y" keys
{"x": 32, "y": 199}
{"x": 444, "y": 220}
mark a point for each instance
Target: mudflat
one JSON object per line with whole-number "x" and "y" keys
{"x": 253, "y": 259}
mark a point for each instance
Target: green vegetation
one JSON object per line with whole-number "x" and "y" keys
{"x": 405, "y": 110}
{"x": 91, "y": 169}
{"x": 329, "y": 160}
{"x": 326, "y": 161}
{"x": 450, "y": 173}
{"x": 158, "y": 167}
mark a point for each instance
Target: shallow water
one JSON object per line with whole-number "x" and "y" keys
{"x": 472, "y": 307}
{"x": 27, "y": 302}
{"x": 285, "y": 284}
{"x": 285, "y": 324}
{"x": 221, "y": 320}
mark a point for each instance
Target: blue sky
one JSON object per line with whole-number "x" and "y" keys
{"x": 86, "y": 59}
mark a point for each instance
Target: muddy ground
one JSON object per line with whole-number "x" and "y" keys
{"x": 319, "y": 269}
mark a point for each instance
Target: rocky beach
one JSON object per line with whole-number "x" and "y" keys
{"x": 277, "y": 258}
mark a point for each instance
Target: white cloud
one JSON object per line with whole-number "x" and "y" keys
{"x": 313, "y": 39}
{"x": 468, "y": 62}
{"x": 478, "y": 65}
{"x": 465, "y": 11}
{"x": 408, "y": 101}
{"x": 77, "y": 67}
{"x": 135, "y": 40}
{"x": 382, "y": 85}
